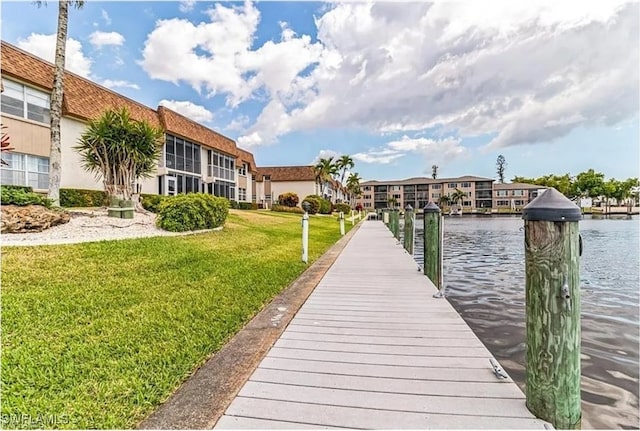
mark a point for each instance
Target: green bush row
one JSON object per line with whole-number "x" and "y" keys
{"x": 319, "y": 204}
{"x": 82, "y": 198}
{"x": 345, "y": 208}
{"x": 193, "y": 211}
{"x": 152, "y": 202}
{"x": 22, "y": 196}
{"x": 286, "y": 209}
{"x": 242, "y": 205}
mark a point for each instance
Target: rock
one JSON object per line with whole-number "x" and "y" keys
{"x": 30, "y": 218}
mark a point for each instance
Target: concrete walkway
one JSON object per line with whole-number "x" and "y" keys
{"x": 372, "y": 349}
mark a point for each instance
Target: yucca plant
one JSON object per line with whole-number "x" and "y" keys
{"x": 120, "y": 151}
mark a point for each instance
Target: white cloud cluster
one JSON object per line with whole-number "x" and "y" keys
{"x": 524, "y": 72}
{"x": 187, "y": 5}
{"x": 197, "y": 113}
{"x": 44, "y": 46}
{"x": 438, "y": 151}
{"x": 103, "y": 38}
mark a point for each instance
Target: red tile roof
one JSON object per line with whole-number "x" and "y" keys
{"x": 287, "y": 173}
{"x": 247, "y": 157}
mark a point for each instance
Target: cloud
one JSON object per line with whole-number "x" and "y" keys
{"x": 106, "y": 17}
{"x": 101, "y": 38}
{"x": 325, "y": 154}
{"x": 187, "y": 5}
{"x": 381, "y": 156}
{"x": 44, "y": 46}
{"x": 433, "y": 151}
{"x": 523, "y": 72}
{"x": 188, "y": 109}
{"x": 238, "y": 123}
{"x": 120, "y": 84}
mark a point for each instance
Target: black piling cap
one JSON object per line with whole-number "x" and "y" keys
{"x": 431, "y": 208}
{"x": 408, "y": 208}
{"x": 551, "y": 205}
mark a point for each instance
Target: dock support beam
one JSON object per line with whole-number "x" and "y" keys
{"x": 433, "y": 244}
{"x": 409, "y": 219}
{"x": 395, "y": 223}
{"x": 552, "y": 265}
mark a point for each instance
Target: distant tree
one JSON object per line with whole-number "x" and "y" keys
{"x": 589, "y": 183}
{"x": 457, "y": 196}
{"x": 120, "y": 150}
{"x": 501, "y": 164}
{"x": 55, "y": 111}
{"x": 444, "y": 201}
{"x": 434, "y": 171}
{"x": 325, "y": 170}
{"x": 344, "y": 163}
{"x": 353, "y": 185}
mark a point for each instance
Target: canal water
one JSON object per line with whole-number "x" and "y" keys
{"x": 484, "y": 279}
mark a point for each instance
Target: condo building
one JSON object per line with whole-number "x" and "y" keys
{"x": 194, "y": 158}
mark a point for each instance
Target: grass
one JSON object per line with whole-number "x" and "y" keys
{"x": 99, "y": 334}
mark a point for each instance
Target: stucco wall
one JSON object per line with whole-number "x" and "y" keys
{"x": 73, "y": 175}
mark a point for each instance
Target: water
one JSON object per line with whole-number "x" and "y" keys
{"x": 484, "y": 277}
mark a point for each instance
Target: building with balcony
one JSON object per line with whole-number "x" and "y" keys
{"x": 418, "y": 191}
{"x": 512, "y": 197}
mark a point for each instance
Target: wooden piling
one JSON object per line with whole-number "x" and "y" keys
{"x": 552, "y": 268}
{"x": 395, "y": 228}
{"x": 432, "y": 240}
{"x": 409, "y": 218}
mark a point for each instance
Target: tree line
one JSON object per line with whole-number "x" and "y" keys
{"x": 327, "y": 169}
{"x": 590, "y": 184}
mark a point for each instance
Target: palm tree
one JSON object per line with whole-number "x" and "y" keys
{"x": 325, "y": 170}
{"x": 55, "y": 153}
{"x": 444, "y": 201}
{"x": 120, "y": 150}
{"x": 343, "y": 163}
{"x": 353, "y": 185}
{"x": 458, "y": 196}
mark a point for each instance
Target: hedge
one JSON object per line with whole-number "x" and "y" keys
{"x": 22, "y": 196}
{"x": 288, "y": 199}
{"x": 152, "y": 202}
{"x": 82, "y": 198}
{"x": 193, "y": 211}
{"x": 345, "y": 208}
{"x": 286, "y": 209}
{"x": 314, "y": 201}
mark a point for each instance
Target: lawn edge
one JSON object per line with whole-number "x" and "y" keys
{"x": 203, "y": 398}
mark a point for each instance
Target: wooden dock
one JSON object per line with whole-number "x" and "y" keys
{"x": 372, "y": 349}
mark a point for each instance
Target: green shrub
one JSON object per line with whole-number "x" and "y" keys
{"x": 24, "y": 188}
{"x": 152, "y": 202}
{"x": 314, "y": 201}
{"x": 288, "y": 199}
{"x": 247, "y": 206}
{"x": 345, "y": 208}
{"x": 233, "y": 204}
{"x": 286, "y": 209}
{"x": 20, "y": 196}
{"x": 193, "y": 211}
{"x": 326, "y": 206}
{"x": 82, "y": 198}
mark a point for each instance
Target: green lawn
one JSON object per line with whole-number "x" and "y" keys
{"x": 96, "y": 335}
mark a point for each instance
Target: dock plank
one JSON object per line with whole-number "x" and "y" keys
{"x": 372, "y": 349}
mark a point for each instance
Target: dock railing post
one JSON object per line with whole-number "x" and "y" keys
{"x": 408, "y": 229}
{"x": 306, "y": 206}
{"x": 552, "y": 266}
{"x": 385, "y": 216}
{"x": 395, "y": 227}
{"x": 433, "y": 244}
{"x": 341, "y": 218}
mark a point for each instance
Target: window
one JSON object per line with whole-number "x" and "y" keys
{"x": 367, "y": 197}
{"x": 518, "y": 203}
{"x": 502, "y": 203}
{"x": 182, "y": 155}
{"x": 395, "y": 188}
{"x": 267, "y": 177}
{"x": 25, "y": 170}
{"x": 367, "y": 204}
{"x": 396, "y": 195}
{"x": 223, "y": 188}
{"x": 242, "y": 194}
{"x": 453, "y": 185}
{"x": 517, "y": 193}
{"x": 435, "y": 195}
{"x": 501, "y": 193}
{"x": 466, "y": 185}
{"x": 466, "y": 203}
{"x": 243, "y": 170}
{"x": 366, "y": 188}
{"x": 24, "y": 102}
{"x": 221, "y": 166}
{"x": 436, "y": 186}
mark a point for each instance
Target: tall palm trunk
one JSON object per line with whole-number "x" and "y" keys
{"x": 55, "y": 155}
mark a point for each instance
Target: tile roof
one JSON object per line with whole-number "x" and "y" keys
{"x": 247, "y": 157}
{"x": 287, "y": 173}
{"x": 83, "y": 99}
{"x": 179, "y": 124}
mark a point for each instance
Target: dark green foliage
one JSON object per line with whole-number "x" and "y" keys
{"x": 326, "y": 207}
{"x": 152, "y": 202}
{"x": 345, "y": 208}
{"x": 25, "y": 188}
{"x": 247, "y": 206}
{"x": 82, "y": 198}
{"x": 193, "y": 211}
{"x": 314, "y": 201}
{"x": 286, "y": 209}
{"x": 12, "y": 195}
{"x": 288, "y": 199}
{"x": 233, "y": 204}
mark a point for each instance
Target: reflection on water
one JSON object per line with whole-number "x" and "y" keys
{"x": 484, "y": 277}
